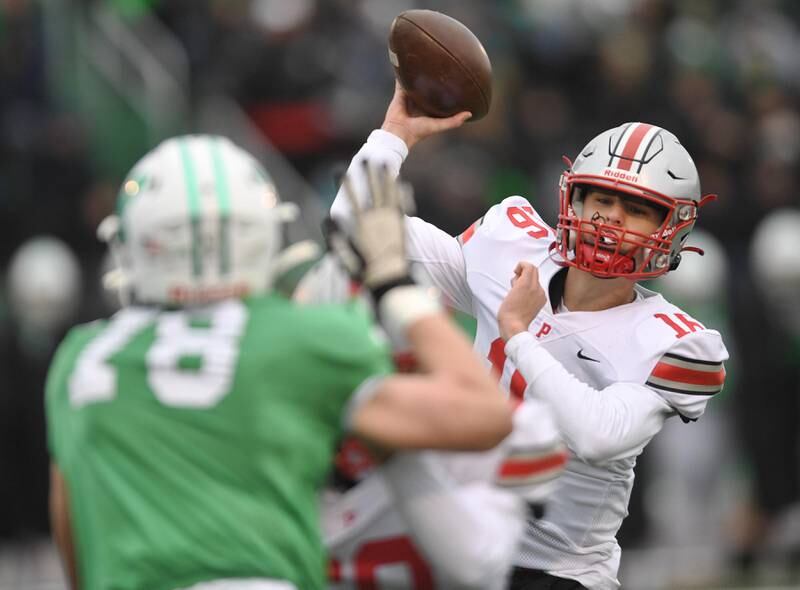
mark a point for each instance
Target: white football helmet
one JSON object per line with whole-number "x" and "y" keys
{"x": 775, "y": 262}
{"x": 639, "y": 160}
{"x": 44, "y": 283}
{"x": 198, "y": 219}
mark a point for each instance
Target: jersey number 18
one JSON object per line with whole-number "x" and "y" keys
{"x": 212, "y": 350}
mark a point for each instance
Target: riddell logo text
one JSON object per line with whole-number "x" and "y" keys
{"x": 621, "y": 174}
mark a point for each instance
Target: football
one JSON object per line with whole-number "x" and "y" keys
{"x": 441, "y": 64}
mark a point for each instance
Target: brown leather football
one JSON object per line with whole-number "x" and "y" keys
{"x": 441, "y": 64}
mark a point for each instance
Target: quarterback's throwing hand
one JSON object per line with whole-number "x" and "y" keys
{"x": 522, "y": 303}
{"x": 405, "y": 121}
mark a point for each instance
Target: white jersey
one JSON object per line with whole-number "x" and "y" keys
{"x": 635, "y": 365}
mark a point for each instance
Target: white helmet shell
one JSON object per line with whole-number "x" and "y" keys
{"x": 775, "y": 262}
{"x": 44, "y": 283}
{"x": 775, "y": 249}
{"x": 198, "y": 220}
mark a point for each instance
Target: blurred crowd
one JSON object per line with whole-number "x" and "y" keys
{"x": 314, "y": 78}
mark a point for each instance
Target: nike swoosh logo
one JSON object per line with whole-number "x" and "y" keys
{"x": 586, "y": 358}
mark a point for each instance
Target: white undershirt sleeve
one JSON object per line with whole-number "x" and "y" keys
{"x": 598, "y": 425}
{"x": 382, "y": 147}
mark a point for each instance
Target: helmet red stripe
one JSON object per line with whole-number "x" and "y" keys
{"x": 632, "y": 146}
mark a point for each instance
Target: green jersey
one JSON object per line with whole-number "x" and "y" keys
{"x": 194, "y": 443}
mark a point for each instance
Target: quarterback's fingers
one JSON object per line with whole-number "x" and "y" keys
{"x": 533, "y": 270}
{"x": 399, "y": 98}
{"x": 447, "y": 123}
{"x": 522, "y": 264}
{"x": 527, "y": 270}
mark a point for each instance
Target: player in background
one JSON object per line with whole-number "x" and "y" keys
{"x": 191, "y": 433}
{"x": 768, "y": 531}
{"x": 613, "y": 359}
{"x": 432, "y": 520}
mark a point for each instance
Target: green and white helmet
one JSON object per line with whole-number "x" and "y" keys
{"x": 198, "y": 219}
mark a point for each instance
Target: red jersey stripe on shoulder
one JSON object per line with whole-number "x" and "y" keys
{"x": 469, "y": 232}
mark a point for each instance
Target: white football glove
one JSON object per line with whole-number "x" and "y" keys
{"x": 373, "y": 251}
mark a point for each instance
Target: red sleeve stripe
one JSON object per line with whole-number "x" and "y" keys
{"x": 518, "y": 385}
{"x": 521, "y": 469}
{"x": 467, "y": 234}
{"x": 669, "y": 370}
{"x": 682, "y": 375}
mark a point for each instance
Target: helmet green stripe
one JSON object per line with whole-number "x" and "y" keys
{"x": 224, "y": 202}
{"x": 193, "y": 193}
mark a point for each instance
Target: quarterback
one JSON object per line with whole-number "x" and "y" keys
{"x": 613, "y": 359}
{"x": 191, "y": 432}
